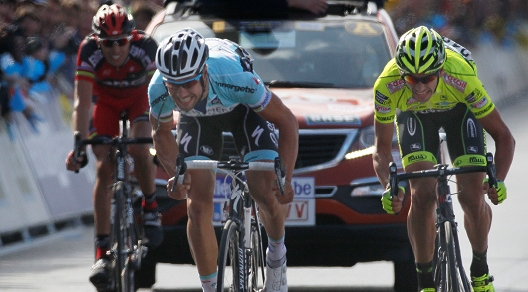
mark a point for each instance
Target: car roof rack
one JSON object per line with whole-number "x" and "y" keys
{"x": 247, "y": 9}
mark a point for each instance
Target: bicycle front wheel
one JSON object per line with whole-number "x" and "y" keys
{"x": 123, "y": 241}
{"x": 231, "y": 260}
{"x": 452, "y": 277}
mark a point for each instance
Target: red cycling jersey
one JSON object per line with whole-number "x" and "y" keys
{"x": 117, "y": 89}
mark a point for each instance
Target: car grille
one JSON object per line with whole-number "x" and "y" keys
{"x": 317, "y": 148}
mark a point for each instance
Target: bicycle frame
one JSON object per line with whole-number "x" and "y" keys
{"x": 127, "y": 248}
{"x": 449, "y": 274}
{"x": 241, "y": 241}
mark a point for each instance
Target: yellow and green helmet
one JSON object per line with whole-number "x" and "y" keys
{"x": 420, "y": 51}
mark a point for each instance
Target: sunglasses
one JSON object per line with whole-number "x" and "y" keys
{"x": 185, "y": 84}
{"x": 413, "y": 80}
{"x": 120, "y": 42}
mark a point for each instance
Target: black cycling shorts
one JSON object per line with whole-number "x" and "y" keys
{"x": 201, "y": 137}
{"x": 419, "y": 140}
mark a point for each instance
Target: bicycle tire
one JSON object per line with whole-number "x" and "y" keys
{"x": 122, "y": 242}
{"x": 449, "y": 272}
{"x": 230, "y": 264}
{"x": 254, "y": 260}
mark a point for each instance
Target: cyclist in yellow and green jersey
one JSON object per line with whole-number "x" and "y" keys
{"x": 432, "y": 85}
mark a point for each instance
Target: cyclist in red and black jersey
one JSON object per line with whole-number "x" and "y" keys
{"x": 114, "y": 67}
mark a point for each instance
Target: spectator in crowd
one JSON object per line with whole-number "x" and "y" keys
{"x": 143, "y": 11}
{"x": 40, "y": 67}
{"x": 14, "y": 85}
{"x": 7, "y": 11}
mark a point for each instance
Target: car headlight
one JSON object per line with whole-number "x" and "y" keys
{"x": 367, "y": 186}
{"x": 364, "y": 145}
{"x": 368, "y": 190}
{"x": 366, "y": 137}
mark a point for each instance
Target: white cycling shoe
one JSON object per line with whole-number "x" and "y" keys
{"x": 276, "y": 280}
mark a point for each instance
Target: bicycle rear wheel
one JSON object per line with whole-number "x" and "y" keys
{"x": 449, "y": 272}
{"x": 123, "y": 241}
{"x": 231, "y": 260}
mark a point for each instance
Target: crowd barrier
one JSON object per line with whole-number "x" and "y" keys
{"x": 38, "y": 196}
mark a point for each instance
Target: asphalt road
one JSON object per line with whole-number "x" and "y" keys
{"x": 61, "y": 262}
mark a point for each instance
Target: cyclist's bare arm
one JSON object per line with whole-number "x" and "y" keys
{"x": 284, "y": 120}
{"x": 80, "y": 117}
{"x": 504, "y": 148}
{"x": 382, "y": 155}
{"x": 81, "y": 107}
{"x": 166, "y": 152}
{"x": 504, "y": 142}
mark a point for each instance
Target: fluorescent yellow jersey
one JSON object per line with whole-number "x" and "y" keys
{"x": 457, "y": 83}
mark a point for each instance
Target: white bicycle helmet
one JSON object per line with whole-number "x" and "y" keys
{"x": 181, "y": 55}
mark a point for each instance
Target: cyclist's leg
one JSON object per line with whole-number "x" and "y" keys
{"x": 201, "y": 138}
{"x": 145, "y": 171}
{"x": 263, "y": 147}
{"x": 105, "y": 123}
{"x": 466, "y": 142}
{"x": 417, "y": 154}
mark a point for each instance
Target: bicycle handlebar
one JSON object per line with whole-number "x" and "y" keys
{"x": 441, "y": 170}
{"x": 276, "y": 166}
{"x": 116, "y": 141}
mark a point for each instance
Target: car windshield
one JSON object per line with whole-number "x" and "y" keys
{"x": 341, "y": 54}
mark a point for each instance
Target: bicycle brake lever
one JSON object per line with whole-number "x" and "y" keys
{"x": 179, "y": 171}
{"x": 490, "y": 170}
{"x": 392, "y": 180}
{"x": 280, "y": 171}
{"x": 76, "y": 146}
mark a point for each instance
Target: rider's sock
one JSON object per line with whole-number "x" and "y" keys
{"x": 425, "y": 275}
{"x": 102, "y": 241}
{"x": 209, "y": 282}
{"x": 276, "y": 251}
{"x": 479, "y": 264}
{"x": 150, "y": 202}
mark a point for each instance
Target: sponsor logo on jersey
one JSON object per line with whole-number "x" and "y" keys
{"x": 416, "y": 147}
{"x": 216, "y": 100}
{"x": 395, "y": 85}
{"x": 471, "y": 98}
{"x": 476, "y": 160}
{"x": 385, "y": 119}
{"x": 472, "y": 149}
{"x": 207, "y": 150}
{"x": 411, "y": 126}
{"x": 484, "y": 110}
{"x": 471, "y": 128}
{"x": 159, "y": 99}
{"x": 411, "y": 100}
{"x": 380, "y": 98}
{"x": 416, "y": 157}
{"x": 450, "y": 44}
{"x": 95, "y": 58}
{"x": 125, "y": 83}
{"x": 382, "y": 109}
{"x": 455, "y": 82}
{"x": 235, "y": 88}
{"x": 480, "y": 103}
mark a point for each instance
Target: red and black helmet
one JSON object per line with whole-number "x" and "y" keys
{"x": 112, "y": 20}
